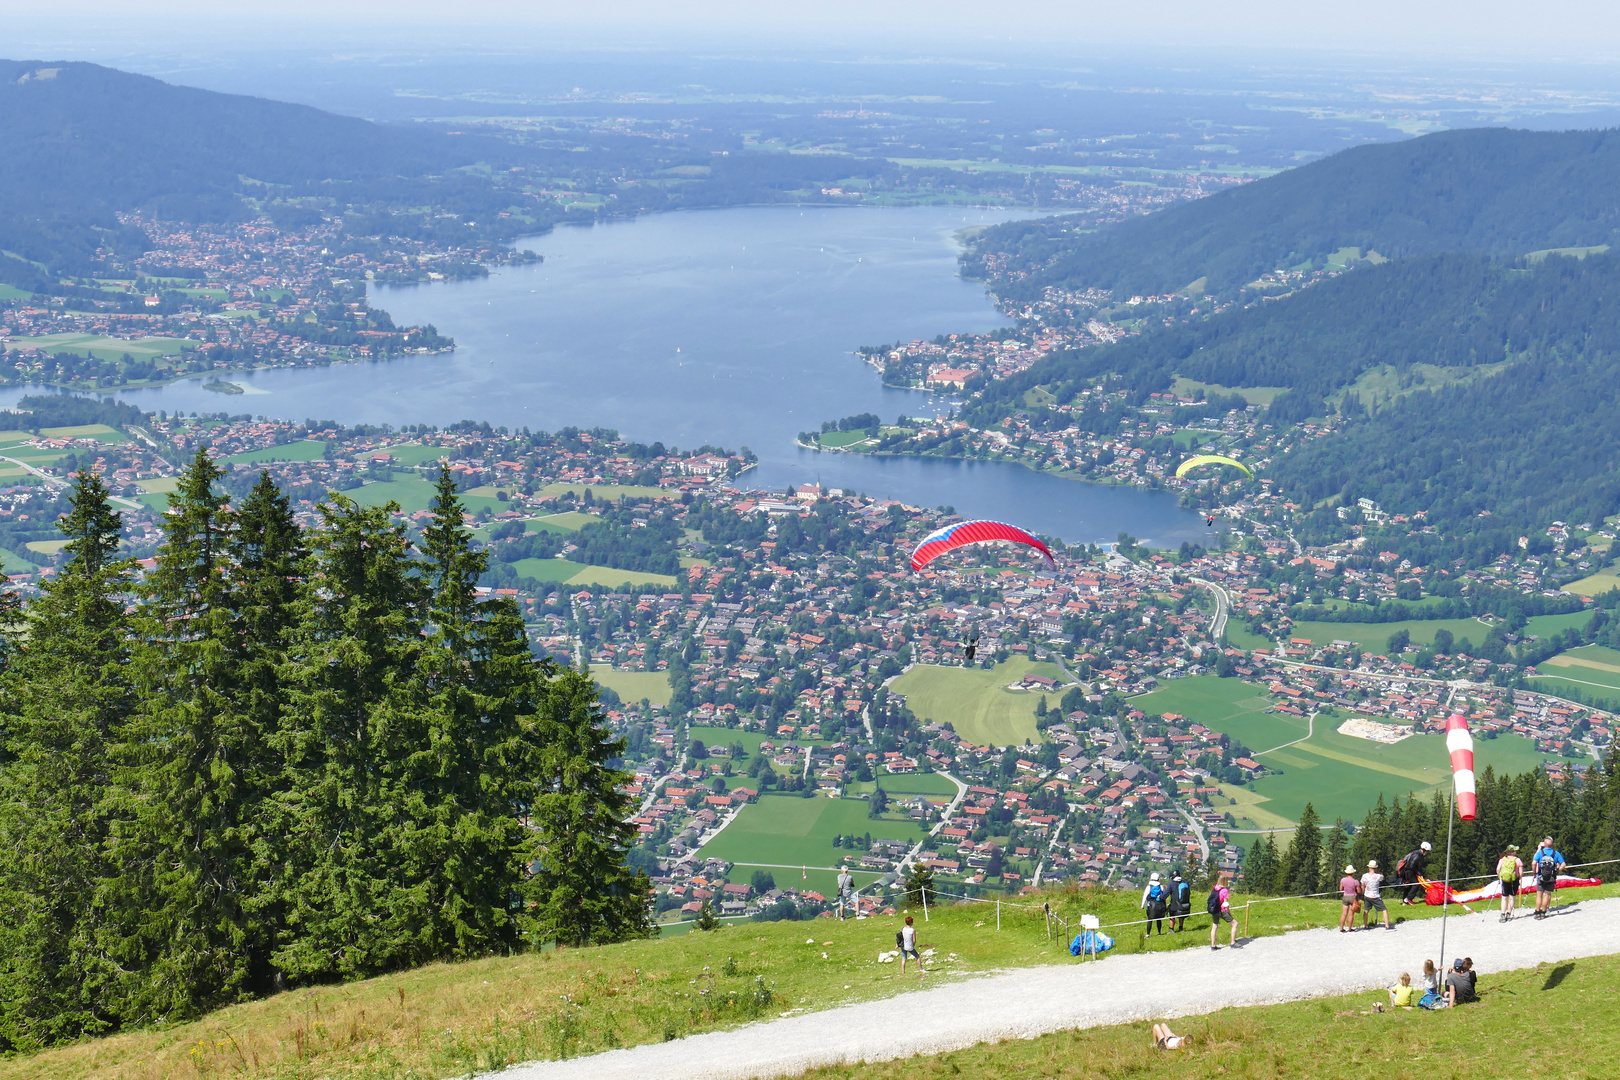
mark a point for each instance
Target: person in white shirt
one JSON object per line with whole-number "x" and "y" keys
{"x": 1370, "y": 899}
{"x": 908, "y": 947}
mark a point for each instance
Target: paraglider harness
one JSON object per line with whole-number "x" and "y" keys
{"x": 1181, "y": 899}
{"x": 970, "y": 645}
{"x": 1156, "y": 900}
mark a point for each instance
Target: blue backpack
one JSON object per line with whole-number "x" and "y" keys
{"x": 1091, "y": 941}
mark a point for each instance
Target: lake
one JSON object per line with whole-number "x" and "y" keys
{"x": 730, "y": 327}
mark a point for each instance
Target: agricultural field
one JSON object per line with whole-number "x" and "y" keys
{"x": 305, "y": 450}
{"x": 606, "y": 576}
{"x": 571, "y": 521}
{"x": 1590, "y": 671}
{"x": 599, "y": 492}
{"x": 415, "y": 493}
{"x": 545, "y": 569}
{"x": 932, "y": 786}
{"x": 750, "y": 740}
{"x": 791, "y": 831}
{"x": 634, "y": 685}
{"x": 1374, "y": 637}
{"x": 105, "y": 348}
{"x": 1338, "y": 774}
{"x": 1230, "y": 706}
{"x": 1343, "y": 776}
{"x": 976, "y": 702}
{"x": 413, "y": 453}
{"x": 1600, "y": 582}
{"x": 1254, "y": 395}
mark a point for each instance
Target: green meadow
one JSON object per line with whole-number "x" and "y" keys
{"x": 306, "y": 450}
{"x": 1338, "y": 774}
{"x": 789, "y": 830}
{"x": 106, "y": 348}
{"x": 976, "y": 702}
{"x": 1374, "y": 637}
{"x": 1230, "y": 706}
{"x": 632, "y": 686}
{"x": 1591, "y": 672}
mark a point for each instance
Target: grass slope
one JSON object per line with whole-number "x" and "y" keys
{"x": 976, "y": 702}
{"x": 1568, "y": 1013}
{"x": 451, "y": 1019}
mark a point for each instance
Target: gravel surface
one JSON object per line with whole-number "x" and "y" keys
{"x": 955, "y": 1012}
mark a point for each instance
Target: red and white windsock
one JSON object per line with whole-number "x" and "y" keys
{"x": 1460, "y": 744}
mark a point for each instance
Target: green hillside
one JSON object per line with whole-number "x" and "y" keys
{"x": 1488, "y": 190}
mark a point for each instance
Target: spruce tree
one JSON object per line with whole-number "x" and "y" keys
{"x": 356, "y": 857}
{"x": 481, "y": 689}
{"x": 584, "y": 891}
{"x": 69, "y": 699}
{"x": 1301, "y": 866}
{"x": 197, "y": 761}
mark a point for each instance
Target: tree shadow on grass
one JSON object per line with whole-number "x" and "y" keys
{"x": 1558, "y": 975}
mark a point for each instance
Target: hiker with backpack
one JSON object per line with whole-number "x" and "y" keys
{"x": 846, "y": 890}
{"x": 1509, "y": 871}
{"x": 1155, "y": 898}
{"x": 1547, "y": 863}
{"x": 1180, "y": 902}
{"x": 906, "y": 941}
{"x": 1410, "y": 868}
{"x": 1219, "y": 906}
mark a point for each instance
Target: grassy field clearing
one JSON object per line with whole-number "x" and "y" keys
{"x": 839, "y": 439}
{"x": 13, "y": 563}
{"x": 976, "y": 702}
{"x": 720, "y": 736}
{"x": 607, "y": 491}
{"x": 1343, "y": 776}
{"x": 414, "y": 453}
{"x": 306, "y": 450}
{"x": 454, "y": 1019}
{"x": 1230, "y": 706}
{"x": 933, "y": 785}
{"x": 634, "y": 685}
{"x": 571, "y": 521}
{"x": 1374, "y": 637}
{"x": 1338, "y": 774}
{"x": 790, "y": 830}
{"x": 1600, "y": 582}
{"x": 106, "y": 348}
{"x": 1590, "y": 671}
{"x": 1254, "y": 395}
{"x": 613, "y": 579}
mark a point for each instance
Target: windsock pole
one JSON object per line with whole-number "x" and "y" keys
{"x": 1464, "y": 802}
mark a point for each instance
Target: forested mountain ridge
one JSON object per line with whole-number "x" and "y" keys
{"x": 84, "y": 141}
{"x": 1492, "y": 190}
{"x": 1522, "y": 442}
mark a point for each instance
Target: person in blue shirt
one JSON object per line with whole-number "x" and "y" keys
{"x": 1547, "y": 863}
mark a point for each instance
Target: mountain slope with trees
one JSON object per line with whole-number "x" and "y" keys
{"x": 1522, "y": 443}
{"x": 83, "y": 142}
{"x": 1491, "y": 190}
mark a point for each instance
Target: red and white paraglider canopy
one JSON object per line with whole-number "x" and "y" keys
{"x": 1460, "y": 744}
{"x": 951, "y": 537}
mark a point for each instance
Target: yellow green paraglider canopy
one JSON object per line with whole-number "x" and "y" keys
{"x": 1211, "y": 459}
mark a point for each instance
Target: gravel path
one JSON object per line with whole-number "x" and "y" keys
{"x": 954, "y": 1013}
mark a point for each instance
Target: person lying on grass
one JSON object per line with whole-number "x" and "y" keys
{"x": 1165, "y": 1039}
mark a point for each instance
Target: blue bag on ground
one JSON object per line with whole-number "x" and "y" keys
{"x": 1093, "y": 941}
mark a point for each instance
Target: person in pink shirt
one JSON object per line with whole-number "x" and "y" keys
{"x": 1349, "y": 892}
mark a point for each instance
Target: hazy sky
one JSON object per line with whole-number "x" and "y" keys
{"x": 1581, "y": 30}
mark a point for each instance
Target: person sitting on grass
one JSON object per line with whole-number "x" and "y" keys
{"x": 1460, "y": 984}
{"x": 1403, "y": 995}
{"x": 1432, "y": 998}
{"x": 1165, "y": 1039}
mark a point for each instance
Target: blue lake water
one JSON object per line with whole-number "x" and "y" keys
{"x": 731, "y": 327}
